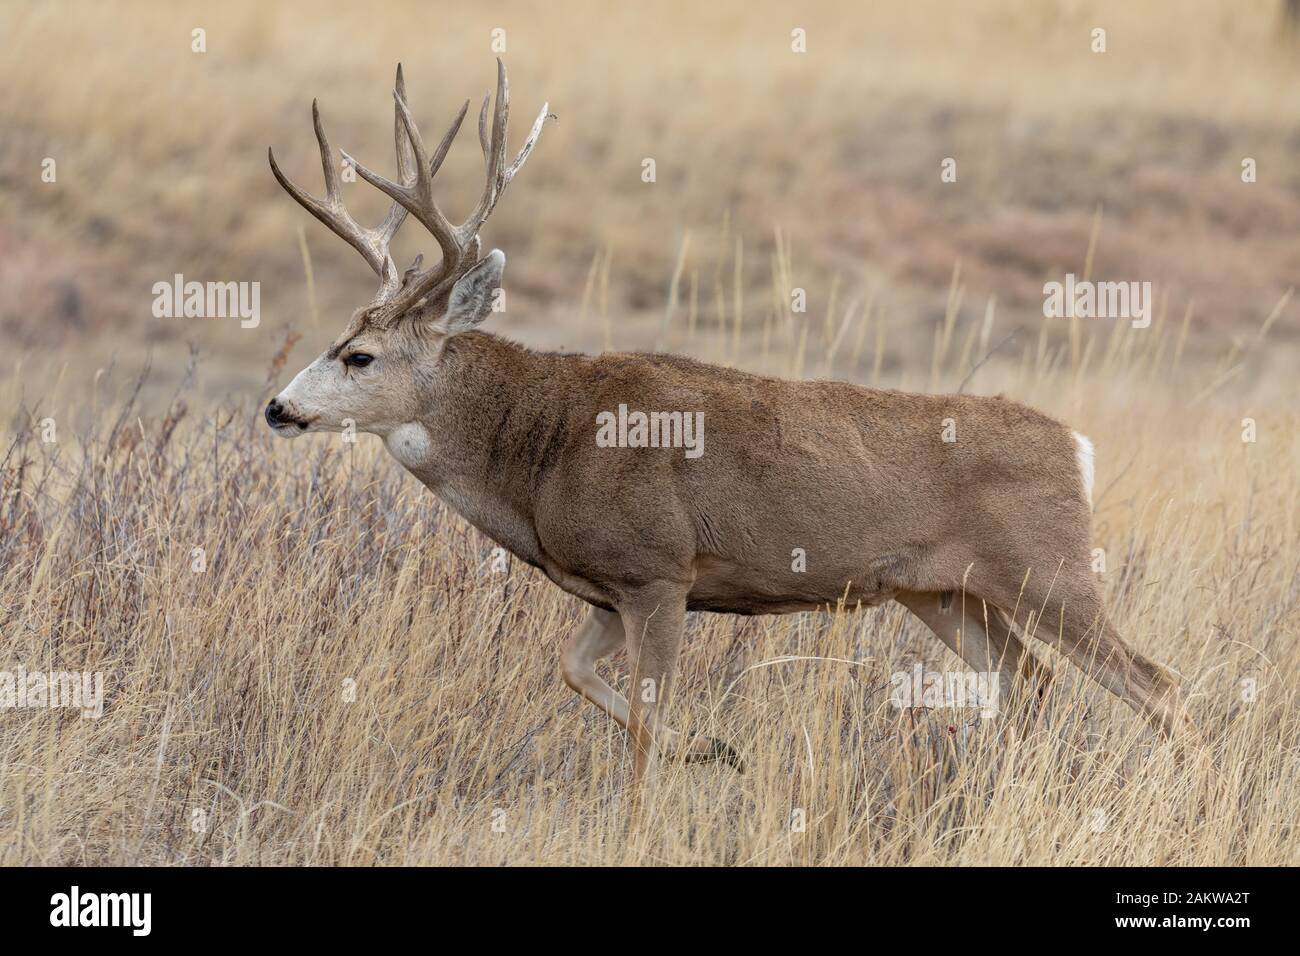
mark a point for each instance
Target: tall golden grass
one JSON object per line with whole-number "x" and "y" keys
{"x": 349, "y": 676}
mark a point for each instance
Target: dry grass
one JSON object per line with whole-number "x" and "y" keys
{"x": 326, "y": 568}
{"x": 225, "y": 689}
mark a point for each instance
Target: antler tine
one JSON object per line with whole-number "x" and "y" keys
{"x": 405, "y": 151}
{"x": 500, "y": 116}
{"x": 417, "y": 196}
{"x": 482, "y": 124}
{"x": 441, "y": 152}
{"x": 533, "y": 135}
{"x": 405, "y": 164}
{"x": 496, "y": 172}
{"x": 330, "y": 211}
{"x": 372, "y": 244}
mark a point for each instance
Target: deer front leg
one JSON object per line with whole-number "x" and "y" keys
{"x": 600, "y": 635}
{"x": 653, "y": 620}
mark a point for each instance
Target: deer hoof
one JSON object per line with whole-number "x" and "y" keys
{"x": 716, "y": 751}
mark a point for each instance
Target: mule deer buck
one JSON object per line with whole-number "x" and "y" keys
{"x": 859, "y": 478}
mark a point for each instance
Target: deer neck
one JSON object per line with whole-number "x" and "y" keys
{"x": 491, "y": 417}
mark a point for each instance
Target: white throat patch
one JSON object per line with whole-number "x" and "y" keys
{"x": 410, "y": 444}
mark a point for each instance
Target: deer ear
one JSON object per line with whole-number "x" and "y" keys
{"x": 470, "y": 301}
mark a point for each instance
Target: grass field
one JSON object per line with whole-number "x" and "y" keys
{"x": 345, "y": 675}
{"x": 308, "y": 659}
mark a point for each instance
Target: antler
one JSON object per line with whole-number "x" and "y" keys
{"x": 371, "y": 243}
{"x": 459, "y": 243}
{"x": 414, "y": 194}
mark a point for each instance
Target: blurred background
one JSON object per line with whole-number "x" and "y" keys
{"x": 775, "y": 170}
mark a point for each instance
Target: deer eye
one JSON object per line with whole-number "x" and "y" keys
{"x": 359, "y": 359}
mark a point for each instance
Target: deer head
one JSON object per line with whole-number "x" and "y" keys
{"x": 369, "y": 375}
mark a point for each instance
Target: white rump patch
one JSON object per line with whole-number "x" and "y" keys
{"x": 1087, "y": 463}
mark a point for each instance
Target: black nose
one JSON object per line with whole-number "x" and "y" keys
{"x": 273, "y": 410}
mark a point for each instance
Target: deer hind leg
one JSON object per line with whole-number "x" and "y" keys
{"x": 988, "y": 644}
{"x": 600, "y": 635}
{"x": 1035, "y": 676}
{"x": 1071, "y": 616}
